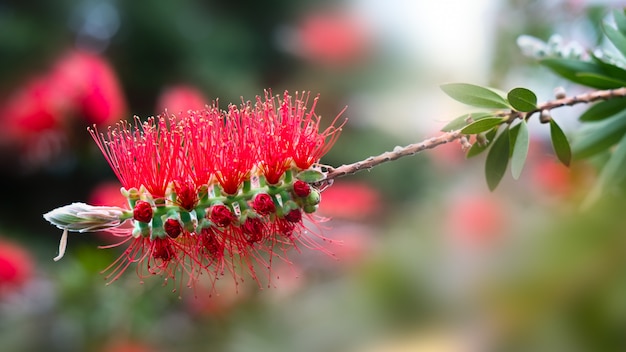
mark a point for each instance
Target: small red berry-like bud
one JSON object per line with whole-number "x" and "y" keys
{"x": 254, "y": 229}
{"x": 142, "y": 211}
{"x": 210, "y": 243}
{"x": 263, "y": 204}
{"x": 221, "y": 215}
{"x": 301, "y": 188}
{"x": 162, "y": 249}
{"x": 172, "y": 227}
{"x": 294, "y": 215}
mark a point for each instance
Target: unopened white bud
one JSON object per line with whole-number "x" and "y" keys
{"x": 81, "y": 217}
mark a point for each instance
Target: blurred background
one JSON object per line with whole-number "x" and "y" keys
{"x": 427, "y": 258}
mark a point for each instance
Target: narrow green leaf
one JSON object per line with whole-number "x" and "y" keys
{"x": 560, "y": 143}
{"x": 604, "y": 109}
{"x": 620, "y": 20}
{"x": 600, "y": 79}
{"x": 513, "y": 131}
{"x": 482, "y": 125}
{"x": 461, "y": 121}
{"x": 571, "y": 70}
{"x": 478, "y": 148}
{"x": 522, "y": 99}
{"x": 616, "y": 37}
{"x": 310, "y": 176}
{"x": 599, "y": 136}
{"x": 610, "y": 70}
{"x": 520, "y": 149}
{"x": 497, "y": 160}
{"x": 612, "y": 173}
{"x": 475, "y": 95}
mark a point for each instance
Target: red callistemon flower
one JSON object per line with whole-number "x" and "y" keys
{"x": 146, "y": 154}
{"x": 16, "y": 265}
{"x": 235, "y": 151}
{"x": 289, "y": 132}
{"x": 309, "y": 144}
{"x": 204, "y": 193}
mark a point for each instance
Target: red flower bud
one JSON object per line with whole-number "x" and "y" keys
{"x": 254, "y": 229}
{"x": 162, "y": 249}
{"x": 210, "y": 243}
{"x": 172, "y": 227}
{"x": 221, "y": 215}
{"x": 263, "y": 204}
{"x": 301, "y": 188}
{"x": 142, "y": 211}
{"x": 294, "y": 215}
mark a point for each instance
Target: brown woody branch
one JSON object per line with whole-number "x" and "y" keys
{"x": 411, "y": 149}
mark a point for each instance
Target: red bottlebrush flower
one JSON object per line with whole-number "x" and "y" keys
{"x": 144, "y": 155}
{"x": 16, "y": 265}
{"x": 142, "y": 211}
{"x": 213, "y": 190}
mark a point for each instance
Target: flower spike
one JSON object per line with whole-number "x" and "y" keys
{"x": 210, "y": 191}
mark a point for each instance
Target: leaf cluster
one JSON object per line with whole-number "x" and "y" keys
{"x": 502, "y": 129}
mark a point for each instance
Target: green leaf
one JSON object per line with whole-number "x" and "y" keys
{"x": 604, "y": 109}
{"x": 497, "y": 160}
{"x": 599, "y": 136}
{"x": 615, "y": 72}
{"x": 612, "y": 173}
{"x": 616, "y": 37}
{"x": 520, "y": 144}
{"x": 572, "y": 69}
{"x": 620, "y": 20}
{"x": 461, "y": 121}
{"x": 479, "y": 148}
{"x": 560, "y": 143}
{"x": 600, "y": 79}
{"x": 310, "y": 176}
{"x": 482, "y": 125}
{"x": 522, "y": 99}
{"x": 475, "y": 95}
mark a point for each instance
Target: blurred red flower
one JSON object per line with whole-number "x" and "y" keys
{"x": 477, "y": 219}
{"x": 38, "y": 116}
{"x": 93, "y": 85}
{"x": 350, "y": 200}
{"x": 180, "y": 98}
{"x": 332, "y": 37}
{"x": 16, "y": 265}
{"x": 127, "y": 346}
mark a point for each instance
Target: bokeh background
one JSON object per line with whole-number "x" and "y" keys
{"x": 427, "y": 258}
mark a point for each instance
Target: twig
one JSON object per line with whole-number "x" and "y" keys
{"x": 396, "y": 153}
{"x": 411, "y": 149}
